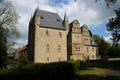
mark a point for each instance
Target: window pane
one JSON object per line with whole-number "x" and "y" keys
{"x": 77, "y": 49}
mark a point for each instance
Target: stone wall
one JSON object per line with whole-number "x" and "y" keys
{"x": 50, "y": 45}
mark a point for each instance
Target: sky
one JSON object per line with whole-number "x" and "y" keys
{"x": 94, "y": 15}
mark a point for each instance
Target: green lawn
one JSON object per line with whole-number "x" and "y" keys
{"x": 97, "y": 70}
{"x": 92, "y": 71}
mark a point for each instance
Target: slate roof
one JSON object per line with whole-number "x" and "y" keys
{"x": 50, "y": 20}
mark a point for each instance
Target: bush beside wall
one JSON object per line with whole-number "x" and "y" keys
{"x": 51, "y": 71}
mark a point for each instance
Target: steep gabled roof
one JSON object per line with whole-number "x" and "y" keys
{"x": 50, "y": 19}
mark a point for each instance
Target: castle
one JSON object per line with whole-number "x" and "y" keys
{"x": 52, "y": 39}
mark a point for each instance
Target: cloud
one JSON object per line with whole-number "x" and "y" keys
{"x": 107, "y": 32}
{"x": 86, "y": 11}
{"x": 107, "y": 38}
{"x": 15, "y": 46}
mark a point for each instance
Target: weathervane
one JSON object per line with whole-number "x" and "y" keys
{"x": 37, "y": 4}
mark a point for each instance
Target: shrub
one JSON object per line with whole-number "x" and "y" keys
{"x": 52, "y": 71}
{"x": 76, "y": 65}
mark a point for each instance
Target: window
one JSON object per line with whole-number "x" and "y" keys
{"x": 59, "y": 59}
{"x": 41, "y": 17}
{"x": 47, "y": 33}
{"x": 86, "y": 40}
{"x": 47, "y": 48}
{"x": 59, "y": 48}
{"x": 78, "y": 30}
{"x": 60, "y": 34}
{"x": 77, "y": 38}
{"x": 47, "y": 58}
{"x": 73, "y": 30}
{"x": 58, "y": 20}
{"x": 86, "y": 32}
{"x": 93, "y": 49}
{"x": 77, "y": 49}
{"x": 83, "y": 32}
{"x": 87, "y": 49}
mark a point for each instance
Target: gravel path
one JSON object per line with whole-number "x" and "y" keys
{"x": 113, "y": 73}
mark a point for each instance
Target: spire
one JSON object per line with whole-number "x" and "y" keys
{"x": 65, "y": 23}
{"x": 65, "y": 18}
{"x": 37, "y": 5}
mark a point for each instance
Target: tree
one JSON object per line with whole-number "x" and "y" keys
{"x": 108, "y": 2}
{"x": 96, "y": 39}
{"x": 103, "y": 46}
{"x": 3, "y": 47}
{"x": 114, "y": 51}
{"x": 113, "y": 26}
{"x": 8, "y": 21}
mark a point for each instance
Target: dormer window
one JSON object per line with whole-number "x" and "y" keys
{"x": 41, "y": 17}
{"x": 58, "y": 20}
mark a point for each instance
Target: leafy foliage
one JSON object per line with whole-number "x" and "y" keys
{"x": 8, "y": 21}
{"x": 50, "y": 71}
{"x": 103, "y": 46}
{"x": 96, "y": 38}
{"x": 108, "y": 2}
{"x": 3, "y": 47}
{"x": 114, "y": 27}
{"x": 114, "y": 51}
{"x": 8, "y": 17}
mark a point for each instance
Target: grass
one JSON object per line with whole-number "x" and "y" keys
{"x": 92, "y": 71}
{"x": 72, "y": 70}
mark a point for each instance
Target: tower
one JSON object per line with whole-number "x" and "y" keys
{"x": 65, "y": 23}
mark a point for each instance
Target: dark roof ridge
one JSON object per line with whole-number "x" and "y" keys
{"x": 47, "y": 11}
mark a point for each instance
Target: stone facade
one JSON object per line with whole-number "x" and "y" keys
{"x": 52, "y": 39}
{"x": 46, "y": 44}
{"x": 50, "y": 45}
{"x": 80, "y": 43}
